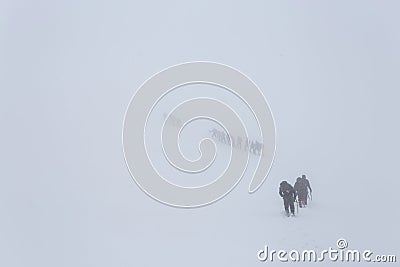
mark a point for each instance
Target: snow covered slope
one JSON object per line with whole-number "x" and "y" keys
{"x": 329, "y": 70}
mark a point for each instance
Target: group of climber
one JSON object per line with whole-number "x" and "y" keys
{"x": 299, "y": 193}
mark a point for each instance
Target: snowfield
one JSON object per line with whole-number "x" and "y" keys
{"x": 329, "y": 71}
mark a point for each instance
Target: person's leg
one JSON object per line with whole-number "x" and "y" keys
{"x": 286, "y": 204}
{"x": 300, "y": 199}
{"x": 304, "y": 198}
{"x": 292, "y": 207}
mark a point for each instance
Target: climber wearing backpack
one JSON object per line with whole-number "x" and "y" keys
{"x": 287, "y": 192}
{"x": 301, "y": 190}
{"x": 307, "y": 187}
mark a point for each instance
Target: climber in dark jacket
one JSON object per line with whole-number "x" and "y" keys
{"x": 307, "y": 187}
{"x": 301, "y": 190}
{"x": 287, "y": 192}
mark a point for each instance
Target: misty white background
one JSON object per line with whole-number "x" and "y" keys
{"x": 329, "y": 70}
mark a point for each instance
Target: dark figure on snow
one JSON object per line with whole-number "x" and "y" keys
{"x": 307, "y": 186}
{"x": 301, "y": 190}
{"x": 287, "y": 192}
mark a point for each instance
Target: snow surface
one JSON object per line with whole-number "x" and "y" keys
{"x": 329, "y": 71}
